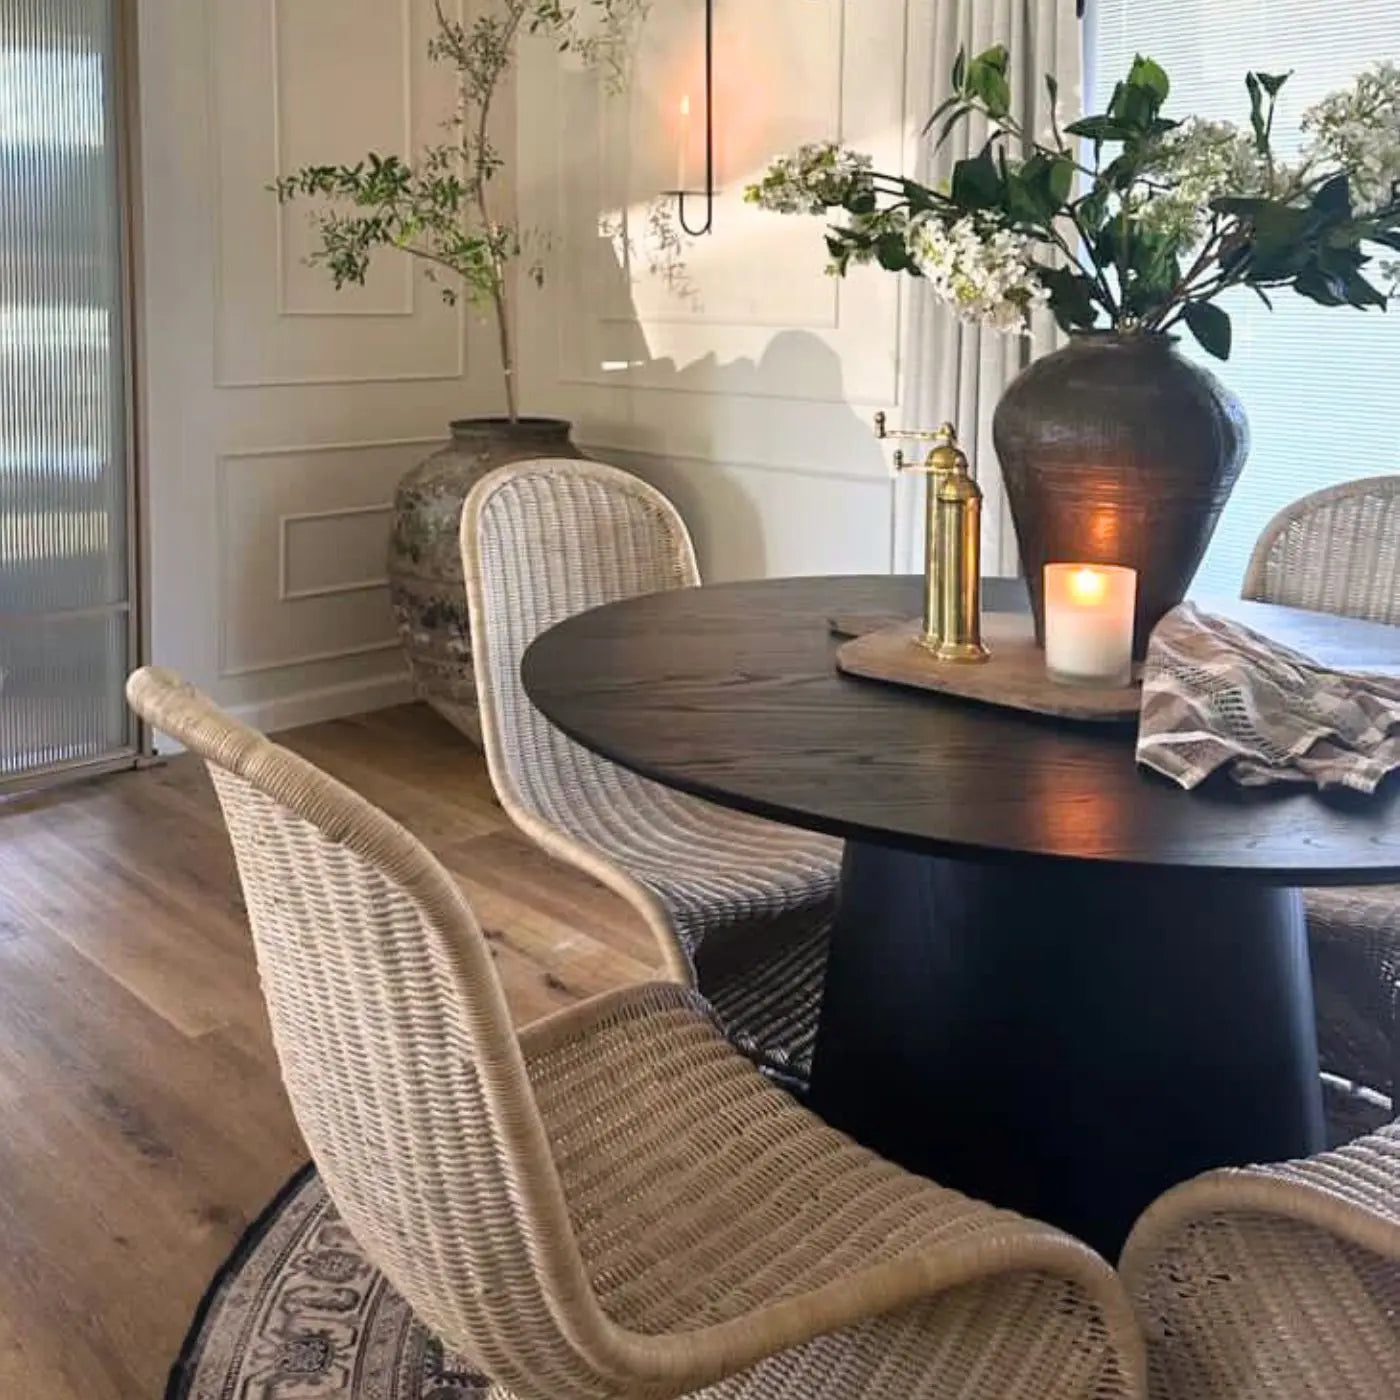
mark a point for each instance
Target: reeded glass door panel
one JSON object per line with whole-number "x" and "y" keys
{"x": 65, "y": 597}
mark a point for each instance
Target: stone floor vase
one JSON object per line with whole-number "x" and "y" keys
{"x": 426, "y": 587}
{"x": 1118, "y": 450}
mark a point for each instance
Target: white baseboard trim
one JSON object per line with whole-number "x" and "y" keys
{"x": 329, "y": 702}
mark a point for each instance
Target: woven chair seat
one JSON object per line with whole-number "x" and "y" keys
{"x": 740, "y": 906}
{"x": 1276, "y": 1281}
{"x": 714, "y": 869}
{"x": 700, "y": 1195}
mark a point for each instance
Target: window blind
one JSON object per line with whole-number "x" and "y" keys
{"x": 1321, "y": 385}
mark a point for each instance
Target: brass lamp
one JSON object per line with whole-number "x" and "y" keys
{"x": 952, "y": 626}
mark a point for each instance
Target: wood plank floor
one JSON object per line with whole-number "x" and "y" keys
{"x": 142, "y": 1122}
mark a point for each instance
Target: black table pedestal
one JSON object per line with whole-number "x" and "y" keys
{"x": 1066, "y": 1039}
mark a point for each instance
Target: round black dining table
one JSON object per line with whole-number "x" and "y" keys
{"x": 1056, "y": 981}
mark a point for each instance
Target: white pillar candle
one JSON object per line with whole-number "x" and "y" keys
{"x": 1089, "y": 623}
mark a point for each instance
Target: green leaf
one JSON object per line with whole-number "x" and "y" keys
{"x": 997, "y": 57}
{"x": 1071, "y": 296}
{"x": 1272, "y": 83}
{"x": 1099, "y": 129}
{"x": 1211, "y": 327}
{"x": 921, "y": 198}
{"x": 960, "y": 69}
{"x": 1245, "y": 206}
{"x": 1360, "y": 293}
{"x": 1022, "y": 198}
{"x": 860, "y": 199}
{"x": 1061, "y": 179}
{"x": 958, "y": 115}
{"x": 946, "y": 105}
{"x": 1150, "y": 75}
{"x": 987, "y": 81}
{"x": 976, "y": 183}
{"x": 1092, "y": 210}
{"x": 1256, "y": 113}
{"x": 1317, "y": 286}
{"x": 1134, "y": 107}
{"x": 1333, "y": 199}
{"x": 1278, "y": 228}
{"x": 892, "y": 252}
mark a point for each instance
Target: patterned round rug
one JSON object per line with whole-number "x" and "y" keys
{"x": 299, "y": 1312}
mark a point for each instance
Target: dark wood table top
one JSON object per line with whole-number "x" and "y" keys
{"x": 731, "y": 692}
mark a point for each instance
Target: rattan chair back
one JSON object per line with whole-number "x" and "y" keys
{"x": 399, "y": 1058}
{"x": 1334, "y": 551}
{"x": 543, "y": 540}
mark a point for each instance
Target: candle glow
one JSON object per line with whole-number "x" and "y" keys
{"x": 1088, "y": 586}
{"x": 1089, "y": 623}
{"x": 682, "y": 173}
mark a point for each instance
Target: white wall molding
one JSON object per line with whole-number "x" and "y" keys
{"x": 285, "y": 526}
{"x": 327, "y": 702}
{"x": 263, "y": 339}
{"x": 405, "y": 145}
{"x": 592, "y": 445}
{"x": 233, "y": 662}
{"x": 308, "y": 658}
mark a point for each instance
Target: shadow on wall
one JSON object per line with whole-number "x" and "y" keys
{"x": 771, "y": 467}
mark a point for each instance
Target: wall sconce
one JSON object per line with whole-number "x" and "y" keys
{"x": 682, "y": 191}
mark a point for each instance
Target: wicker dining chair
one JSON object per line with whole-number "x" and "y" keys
{"x": 612, "y": 1202}
{"x": 739, "y": 905}
{"x": 1280, "y": 1281}
{"x": 1338, "y": 551}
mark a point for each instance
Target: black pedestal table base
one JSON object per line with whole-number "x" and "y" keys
{"x": 1064, "y": 1038}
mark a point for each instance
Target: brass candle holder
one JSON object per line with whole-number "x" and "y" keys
{"x": 952, "y": 624}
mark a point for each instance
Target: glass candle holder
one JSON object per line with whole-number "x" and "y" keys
{"x": 1089, "y": 623}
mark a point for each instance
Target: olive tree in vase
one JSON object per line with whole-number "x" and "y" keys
{"x": 441, "y": 210}
{"x": 1129, "y": 225}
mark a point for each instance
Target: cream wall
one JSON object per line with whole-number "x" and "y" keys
{"x": 750, "y": 401}
{"x": 277, "y": 415}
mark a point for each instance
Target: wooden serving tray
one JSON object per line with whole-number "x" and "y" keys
{"x": 1014, "y": 677}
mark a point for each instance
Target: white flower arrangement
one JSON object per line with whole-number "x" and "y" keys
{"x": 985, "y": 276}
{"x": 1183, "y": 211}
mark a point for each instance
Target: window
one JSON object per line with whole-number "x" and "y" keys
{"x": 1321, "y": 385}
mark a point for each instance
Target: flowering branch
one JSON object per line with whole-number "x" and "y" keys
{"x": 1179, "y": 212}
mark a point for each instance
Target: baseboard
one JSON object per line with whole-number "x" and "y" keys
{"x": 330, "y": 702}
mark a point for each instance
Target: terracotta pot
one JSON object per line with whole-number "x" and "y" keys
{"x": 1117, "y": 450}
{"x": 426, "y": 586}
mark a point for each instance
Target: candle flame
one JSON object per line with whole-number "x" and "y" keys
{"x": 1088, "y": 586}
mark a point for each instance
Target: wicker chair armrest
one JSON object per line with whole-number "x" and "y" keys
{"x": 1352, "y": 1193}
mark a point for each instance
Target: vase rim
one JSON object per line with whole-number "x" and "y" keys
{"x": 1114, "y": 335}
{"x": 462, "y": 427}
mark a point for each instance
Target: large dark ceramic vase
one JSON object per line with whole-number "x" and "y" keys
{"x": 426, "y": 585}
{"x": 1117, "y": 450}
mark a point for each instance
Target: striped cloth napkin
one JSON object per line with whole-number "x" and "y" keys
{"x": 1217, "y": 694}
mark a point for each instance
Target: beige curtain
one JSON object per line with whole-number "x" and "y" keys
{"x": 954, "y": 371}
